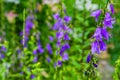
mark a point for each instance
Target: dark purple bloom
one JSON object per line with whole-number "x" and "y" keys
{"x": 105, "y": 34}
{"x": 63, "y": 48}
{"x": 58, "y": 25}
{"x": 101, "y": 33}
{"x": 56, "y": 16}
{"x": 59, "y": 35}
{"x": 96, "y": 14}
{"x": 65, "y": 57}
{"x": 112, "y": 8}
{"x": 3, "y": 48}
{"x": 2, "y": 56}
{"x": 48, "y": 59}
{"x": 98, "y": 34}
{"x": 35, "y": 51}
{"x": 32, "y": 76}
{"x": 67, "y": 19}
{"x": 102, "y": 45}
{"x": 95, "y": 65}
{"x": 108, "y": 21}
{"x": 88, "y": 58}
{"x": 35, "y": 59}
{"x": 48, "y": 46}
{"x": 95, "y": 47}
{"x": 59, "y": 63}
{"x": 66, "y": 37}
{"x": 40, "y": 49}
{"x": 51, "y": 38}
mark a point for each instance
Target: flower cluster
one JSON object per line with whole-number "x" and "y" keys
{"x": 38, "y": 50}
{"x": 62, "y": 31}
{"x": 101, "y": 34}
{"x": 28, "y": 26}
{"x": 2, "y": 50}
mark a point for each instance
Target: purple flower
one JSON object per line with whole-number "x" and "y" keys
{"x": 32, "y": 76}
{"x": 2, "y": 56}
{"x": 56, "y": 16}
{"x": 96, "y": 14}
{"x": 59, "y": 63}
{"x": 58, "y": 25}
{"x": 63, "y": 48}
{"x": 51, "y": 38}
{"x": 112, "y": 8}
{"x": 3, "y": 48}
{"x": 95, "y": 65}
{"x": 40, "y": 49}
{"x": 48, "y": 59}
{"x": 49, "y": 48}
{"x": 58, "y": 43}
{"x": 98, "y": 34}
{"x": 65, "y": 57}
{"x": 67, "y": 19}
{"x": 95, "y": 47}
{"x": 59, "y": 35}
{"x": 35, "y": 59}
{"x": 66, "y": 37}
{"x": 101, "y": 33}
{"x": 102, "y": 45}
{"x": 28, "y": 26}
{"x": 88, "y": 58}
{"x": 108, "y": 21}
{"x": 35, "y": 52}
{"x": 105, "y": 34}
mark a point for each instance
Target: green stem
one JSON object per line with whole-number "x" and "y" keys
{"x": 1, "y": 16}
{"x": 24, "y": 28}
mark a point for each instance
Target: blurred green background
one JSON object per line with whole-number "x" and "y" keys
{"x": 19, "y": 66}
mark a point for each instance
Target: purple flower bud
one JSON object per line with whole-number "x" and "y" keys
{"x": 96, "y": 14}
{"x": 63, "y": 48}
{"x": 51, "y": 38}
{"x": 95, "y": 65}
{"x": 56, "y": 16}
{"x": 108, "y": 21}
{"x": 40, "y": 49}
{"x": 57, "y": 25}
{"x": 88, "y": 58}
{"x": 35, "y": 52}
{"x": 98, "y": 34}
{"x": 66, "y": 37}
{"x": 35, "y": 59}
{"x": 32, "y": 76}
{"x": 48, "y": 59}
{"x": 102, "y": 45}
{"x": 2, "y": 56}
{"x": 59, "y": 35}
{"x": 112, "y": 8}
{"x": 105, "y": 34}
{"x": 59, "y": 63}
{"x": 58, "y": 43}
{"x": 65, "y": 57}
{"x": 3, "y": 48}
{"x": 49, "y": 48}
{"x": 67, "y": 19}
{"x": 95, "y": 47}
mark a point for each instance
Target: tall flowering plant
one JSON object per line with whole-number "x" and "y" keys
{"x": 101, "y": 34}
{"x": 62, "y": 36}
